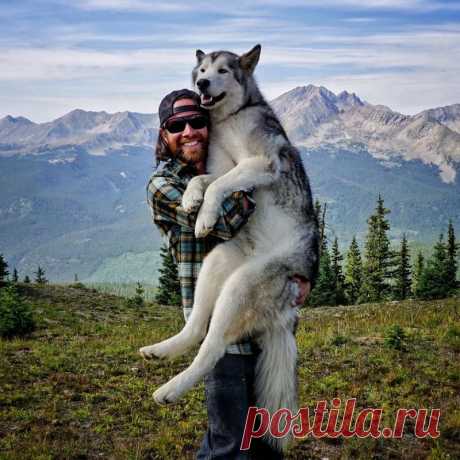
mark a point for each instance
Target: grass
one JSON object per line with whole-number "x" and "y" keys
{"x": 77, "y": 389}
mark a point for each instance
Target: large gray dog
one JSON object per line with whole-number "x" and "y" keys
{"x": 246, "y": 283}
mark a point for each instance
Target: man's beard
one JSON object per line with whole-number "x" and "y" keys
{"x": 193, "y": 158}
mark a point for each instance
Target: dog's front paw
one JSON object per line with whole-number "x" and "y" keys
{"x": 192, "y": 198}
{"x": 205, "y": 221}
{"x": 166, "y": 394}
{"x": 154, "y": 351}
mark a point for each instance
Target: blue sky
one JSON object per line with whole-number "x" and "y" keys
{"x": 115, "y": 55}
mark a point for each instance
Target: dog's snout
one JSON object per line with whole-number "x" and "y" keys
{"x": 203, "y": 83}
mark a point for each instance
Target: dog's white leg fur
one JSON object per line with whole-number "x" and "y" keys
{"x": 217, "y": 267}
{"x": 226, "y": 313}
{"x": 250, "y": 172}
{"x": 194, "y": 194}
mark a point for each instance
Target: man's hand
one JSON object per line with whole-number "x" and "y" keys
{"x": 304, "y": 288}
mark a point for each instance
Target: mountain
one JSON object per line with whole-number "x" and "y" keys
{"x": 315, "y": 117}
{"x": 72, "y": 191}
{"x": 448, "y": 116}
{"x": 97, "y": 132}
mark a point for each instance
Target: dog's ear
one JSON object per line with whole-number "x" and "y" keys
{"x": 249, "y": 60}
{"x": 199, "y": 56}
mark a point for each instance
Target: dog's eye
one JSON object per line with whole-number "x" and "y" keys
{"x": 223, "y": 71}
{"x": 202, "y": 70}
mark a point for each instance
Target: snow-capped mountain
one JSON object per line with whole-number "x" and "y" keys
{"x": 96, "y": 132}
{"x": 314, "y": 116}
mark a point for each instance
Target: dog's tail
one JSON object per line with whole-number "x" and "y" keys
{"x": 276, "y": 378}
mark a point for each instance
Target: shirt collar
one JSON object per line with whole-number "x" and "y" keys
{"x": 180, "y": 168}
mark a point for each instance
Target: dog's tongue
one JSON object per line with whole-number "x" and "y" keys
{"x": 205, "y": 98}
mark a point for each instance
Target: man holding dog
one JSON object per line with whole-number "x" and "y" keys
{"x": 183, "y": 144}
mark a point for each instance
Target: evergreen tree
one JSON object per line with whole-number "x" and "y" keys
{"x": 432, "y": 284}
{"x": 336, "y": 266}
{"x": 168, "y": 292}
{"x": 40, "y": 276}
{"x": 402, "y": 288}
{"x": 26, "y": 279}
{"x": 15, "y": 276}
{"x": 139, "y": 296}
{"x": 320, "y": 212}
{"x": 3, "y": 269}
{"x": 353, "y": 272}
{"x": 16, "y": 317}
{"x": 417, "y": 271}
{"x": 324, "y": 290}
{"x": 378, "y": 257}
{"x": 451, "y": 260}
{"x": 138, "y": 299}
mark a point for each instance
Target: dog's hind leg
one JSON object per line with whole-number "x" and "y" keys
{"x": 217, "y": 267}
{"x": 246, "y": 304}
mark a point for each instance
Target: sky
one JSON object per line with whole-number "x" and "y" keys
{"x": 116, "y": 55}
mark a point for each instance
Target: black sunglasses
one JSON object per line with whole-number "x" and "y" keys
{"x": 177, "y": 125}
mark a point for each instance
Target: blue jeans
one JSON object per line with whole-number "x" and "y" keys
{"x": 229, "y": 394}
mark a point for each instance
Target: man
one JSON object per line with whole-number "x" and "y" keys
{"x": 182, "y": 144}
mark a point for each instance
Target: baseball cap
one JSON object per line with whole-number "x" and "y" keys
{"x": 167, "y": 110}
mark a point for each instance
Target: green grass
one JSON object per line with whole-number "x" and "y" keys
{"x": 76, "y": 388}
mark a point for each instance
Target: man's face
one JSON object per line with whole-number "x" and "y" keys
{"x": 191, "y": 145}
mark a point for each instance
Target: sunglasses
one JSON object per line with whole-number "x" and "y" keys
{"x": 177, "y": 125}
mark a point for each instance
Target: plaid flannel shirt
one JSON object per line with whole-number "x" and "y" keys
{"x": 164, "y": 195}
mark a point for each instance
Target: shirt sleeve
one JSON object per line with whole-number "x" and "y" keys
{"x": 165, "y": 197}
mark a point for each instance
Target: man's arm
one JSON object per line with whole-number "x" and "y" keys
{"x": 165, "y": 199}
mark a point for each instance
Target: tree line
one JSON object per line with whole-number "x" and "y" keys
{"x": 382, "y": 273}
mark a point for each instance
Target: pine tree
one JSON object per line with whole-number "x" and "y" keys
{"x": 16, "y": 316}
{"x": 353, "y": 272}
{"x": 324, "y": 290}
{"x": 15, "y": 276}
{"x": 402, "y": 288}
{"x": 168, "y": 292}
{"x": 378, "y": 257}
{"x": 139, "y": 297}
{"x": 40, "y": 276}
{"x": 320, "y": 212}
{"x": 432, "y": 284}
{"x": 26, "y": 279}
{"x": 3, "y": 269}
{"x": 417, "y": 271}
{"x": 336, "y": 266}
{"x": 451, "y": 260}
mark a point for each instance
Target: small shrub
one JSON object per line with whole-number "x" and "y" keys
{"x": 15, "y": 315}
{"x": 396, "y": 338}
{"x": 339, "y": 340}
{"x": 138, "y": 299}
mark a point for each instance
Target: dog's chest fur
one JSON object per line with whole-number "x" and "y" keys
{"x": 231, "y": 138}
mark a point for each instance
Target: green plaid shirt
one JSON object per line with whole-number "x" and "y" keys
{"x": 164, "y": 195}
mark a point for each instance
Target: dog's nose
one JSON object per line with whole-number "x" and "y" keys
{"x": 203, "y": 83}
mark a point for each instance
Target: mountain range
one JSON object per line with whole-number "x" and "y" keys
{"x": 73, "y": 189}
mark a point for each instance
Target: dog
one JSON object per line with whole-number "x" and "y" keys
{"x": 245, "y": 284}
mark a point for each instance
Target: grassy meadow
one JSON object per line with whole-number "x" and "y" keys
{"x": 77, "y": 389}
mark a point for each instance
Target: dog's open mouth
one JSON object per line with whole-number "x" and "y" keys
{"x": 207, "y": 100}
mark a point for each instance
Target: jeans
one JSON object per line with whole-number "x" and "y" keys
{"x": 229, "y": 394}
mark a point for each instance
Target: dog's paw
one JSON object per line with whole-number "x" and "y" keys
{"x": 205, "y": 222}
{"x": 153, "y": 351}
{"x": 192, "y": 198}
{"x": 166, "y": 394}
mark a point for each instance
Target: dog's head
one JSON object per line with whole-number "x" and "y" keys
{"x": 222, "y": 76}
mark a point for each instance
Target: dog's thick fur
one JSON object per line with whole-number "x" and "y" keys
{"x": 246, "y": 283}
